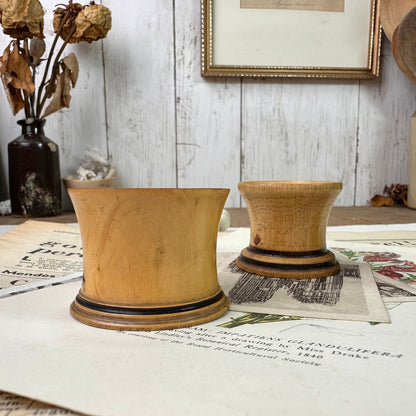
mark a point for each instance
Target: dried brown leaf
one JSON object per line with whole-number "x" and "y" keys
{"x": 55, "y": 103}
{"x": 50, "y": 88}
{"x": 61, "y": 97}
{"x": 36, "y": 50}
{"x": 19, "y": 69}
{"x": 4, "y": 59}
{"x": 16, "y": 101}
{"x": 66, "y": 88}
{"x": 14, "y": 96}
{"x": 380, "y": 201}
{"x": 16, "y": 77}
{"x": 71, "y": 63}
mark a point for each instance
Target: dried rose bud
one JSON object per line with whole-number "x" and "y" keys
{"x": 86, "y": 24}
{"x": 22, "y": 19}
{"x": 93, "y": 23}
{"x": 66, "y": 16}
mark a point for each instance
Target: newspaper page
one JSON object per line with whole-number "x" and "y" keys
{"x": 38, "y": 253}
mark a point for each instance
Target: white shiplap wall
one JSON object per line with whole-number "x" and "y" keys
{"x": 140, "y": 97}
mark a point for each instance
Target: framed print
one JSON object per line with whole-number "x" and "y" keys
{"x": 290, "y": 38}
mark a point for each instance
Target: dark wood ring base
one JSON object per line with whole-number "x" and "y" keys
{"x": 148, "y": 319}
{"x": 321, "y": 263}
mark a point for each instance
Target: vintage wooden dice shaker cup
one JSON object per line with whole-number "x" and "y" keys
{"x": 288, "y": 222}
{"x": 149, "y": 257}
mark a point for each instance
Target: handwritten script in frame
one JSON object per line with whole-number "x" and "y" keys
{"x": 311, "y": 5}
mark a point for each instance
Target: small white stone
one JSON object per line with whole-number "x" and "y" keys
{"x": 5, "y": 207}
{"x": 225, "y": 220}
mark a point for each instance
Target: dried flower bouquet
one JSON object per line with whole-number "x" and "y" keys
{"x": 22, "y": 20}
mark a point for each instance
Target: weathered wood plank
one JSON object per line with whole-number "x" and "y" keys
{"x": 82, "y": 126}
{"x": 386, "y": 106}
{"x": 139, "y": 72}
{"x": 208, "y": 114}
{"x": 166, "y": 126}
{"x": 300, "y": 130}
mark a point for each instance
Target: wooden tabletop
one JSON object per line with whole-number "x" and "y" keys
{"x": 239, "y": 216}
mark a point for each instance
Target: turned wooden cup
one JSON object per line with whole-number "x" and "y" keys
{"x": 288, "y": 222}
{"x": 149, "y": 257}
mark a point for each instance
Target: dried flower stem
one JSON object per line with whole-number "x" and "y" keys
{"x": 55, "y": 67}
{"x": 27, "y": 105}
{"x": 39, "y": 104}
{"x": 31, "y": 97}
{"x": 25, "y": 94}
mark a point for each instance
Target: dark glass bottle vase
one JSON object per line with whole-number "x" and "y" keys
{"x": 34, "y": 173}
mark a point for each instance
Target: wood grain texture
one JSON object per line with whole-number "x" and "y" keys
{"x": 288, "y": 228}
{"x": 392, "y": 13}
{"x": 149, "y": 249}
{"x": 239, "y": 216}
{"x": 289, "y": 216}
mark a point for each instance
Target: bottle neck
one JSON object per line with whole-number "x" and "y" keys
{"x": 32, "y": 126}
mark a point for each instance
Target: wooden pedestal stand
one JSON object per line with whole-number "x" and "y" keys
{"x": 149, "y": 257}
{"x": 288, "y": 228}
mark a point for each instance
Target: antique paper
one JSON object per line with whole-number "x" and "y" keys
{"x": 395, "y": 262}
{"x": 310, "y": 5}
{"x": 387, "y": 238}
{"x": 37, "y": 253}
{"x": 104, "y": 372}
{"x": 351, "y": 294}
{"x": 380, "y": 238}
{"x": 282, "y": 38}
{"x": 394, "y": 291}
{"x": 278, "y": 367}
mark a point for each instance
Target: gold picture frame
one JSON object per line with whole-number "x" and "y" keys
{"x": 271, "y": 38}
